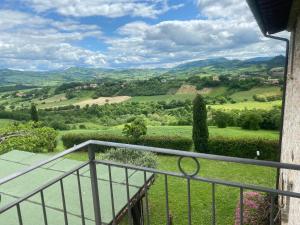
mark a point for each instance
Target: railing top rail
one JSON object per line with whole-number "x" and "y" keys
{"x": 155, "y": 150}
{"x": 198, "y": 155}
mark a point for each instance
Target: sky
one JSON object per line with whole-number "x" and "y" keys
{"x": 58, "y": 34}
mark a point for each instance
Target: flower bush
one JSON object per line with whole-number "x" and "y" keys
{"x": 255, "y": 209}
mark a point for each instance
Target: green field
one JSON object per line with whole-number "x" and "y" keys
{"x": 248, "y": 105}
{"x": 226, "y": 198}
{"x": 242, "y": 95}
{"x": 186, "y": 131}
{"x": 183, "y": 131}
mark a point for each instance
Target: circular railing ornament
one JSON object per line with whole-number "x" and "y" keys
{"x": 184, "y": 172}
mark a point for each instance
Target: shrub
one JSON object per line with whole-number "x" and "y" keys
{"x": 132, "y": 157}
{"x": 271, "y": 120}
{"x": 244, "y": 148}
{"x": 255, "y": 209}
{"x": 136, "y": 129}
{"x": 250, "y": 120}
{"x": 175, "y": 142}
{"x": 221, "y": 119}
{"x": 200, "y": 128}
{"x": 82, "y": 126}
{"x": 59, "y": 125}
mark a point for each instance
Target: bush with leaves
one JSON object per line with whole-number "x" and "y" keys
{"x": 250, "y": 120}
{"x": 136, "y": 129}
{"x": 59, "y": 125}
{"x": 132, "y": 157}
{"x": 32, "y": 137}
{"x": 221, "y": 118}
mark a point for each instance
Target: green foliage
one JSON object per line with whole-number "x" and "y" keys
{"x": 70, "y": 94}
{"x": 271, "y": 120}
{"x": 250, "y": 120}
{"x": 221, "y": 118}
{"x": 32, "y": 136}
{"x": 34, "y": 113}
{"x": 200, "y": 128}
{"x": 244, "y": 148}
{"x": 131, "y": 157}
{"x": 59, "y": 125}
{"x": 172, "y": 142}
{"x": 15, "y": 115}
{"x": 136, "y": 129}
{"x": 66, "y": 86}
{"x": 266, "y": 98}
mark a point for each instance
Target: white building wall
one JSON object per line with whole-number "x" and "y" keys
{"x": 290, "y": 180}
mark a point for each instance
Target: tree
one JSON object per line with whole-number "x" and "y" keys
{"x": 200, "y": 128}
{"x": 34, "y": 113}
{"x": 136, "y": 129}
{"x": 32, "y": 136}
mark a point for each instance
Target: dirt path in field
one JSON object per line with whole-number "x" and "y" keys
{"x": 191, "y": 89}
{"x": 103, "y": 100}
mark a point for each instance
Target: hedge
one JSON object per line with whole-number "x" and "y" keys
{"x": 245, "y": 148}
{"x": 235, "y": 147}
{"x": 173, "y": 142}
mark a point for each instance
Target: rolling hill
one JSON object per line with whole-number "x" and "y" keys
{"x": 258, "y": 65}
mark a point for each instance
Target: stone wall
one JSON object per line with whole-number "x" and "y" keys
{"x": 290, "y": 180}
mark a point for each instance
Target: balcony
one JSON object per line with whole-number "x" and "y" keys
{"x": 105, "y": 192}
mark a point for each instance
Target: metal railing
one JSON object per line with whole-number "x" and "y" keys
{"x": 189, "y": 177}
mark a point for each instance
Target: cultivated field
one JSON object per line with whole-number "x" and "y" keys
{"x": 103, "y": 100}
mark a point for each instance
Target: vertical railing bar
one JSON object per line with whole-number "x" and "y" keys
{"x": 128, "y": 198}
{"x": 167, "y": 200}
{"x": 112, "y": 195}
{"x": 189, "y": 200}
{"x": 241, "y": 206}
{"x": 213, "y": 204}
{"x": 64, "y": 202}
{"x": 94, "y": 184}
{"x": 44, "y": 208}
{"x": 80, "y": 198}
{"x": 272, "y": 210}
{"x": 19, "y": 214}
{"x": 146, "y": 198}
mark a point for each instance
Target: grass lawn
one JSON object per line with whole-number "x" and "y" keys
{"x": 226, "y": 197}
{"x": 183, "y": 131}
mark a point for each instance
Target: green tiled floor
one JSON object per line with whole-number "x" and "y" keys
{"x": 32, "y": 210}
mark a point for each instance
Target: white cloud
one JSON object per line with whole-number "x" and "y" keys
{"x": 171, "y": 42}
{"x": 230, "y": 9}
{"x": 107, "y": 8}
{"x": 33, "y": 42}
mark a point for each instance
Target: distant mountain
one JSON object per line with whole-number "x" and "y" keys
{"x": 223, "y": 62}
{"x": 218, "y": 66}
{"x": 8, "y": 76}
{"x": 258, "y": 65}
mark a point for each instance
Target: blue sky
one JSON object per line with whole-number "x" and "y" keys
{"x": 58, "y": 34}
